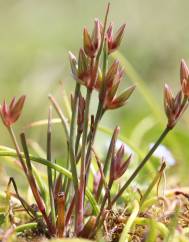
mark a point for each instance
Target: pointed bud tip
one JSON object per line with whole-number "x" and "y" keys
{"x": 71, "y": 55}
{"x": 166, "y": 86}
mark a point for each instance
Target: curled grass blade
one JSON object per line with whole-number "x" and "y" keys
{"x": 126, "y": 230}
{"x": 57, "y": 168}
{"x": 23, "y": 227}
{"x": 163, "y": 230}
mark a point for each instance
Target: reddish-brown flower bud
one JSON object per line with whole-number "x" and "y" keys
{"x": 109, "y": 87}
{"x": 111, "y": 82}
{"x": 169, "y": 104}
{"x": 11, "y": 113}
{"x": 114, "y": 41}
{"x": 118, "y": 165}
{"x": 83, "y": 68}
{"x": 96, "y": 35}
{"x": 173, "y": 105}
{"x": 92, "y": 43}
{"x": 112, "y": 74}
{"x": 122, "y": 98}
{"x": 184, "y": 78}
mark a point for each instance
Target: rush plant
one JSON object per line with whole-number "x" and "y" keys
{"x": 73, "y": 208}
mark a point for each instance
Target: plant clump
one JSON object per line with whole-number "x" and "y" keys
{"x": 71, "y": 206}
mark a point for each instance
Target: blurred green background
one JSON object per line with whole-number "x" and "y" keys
{"x": 35, "y": 37}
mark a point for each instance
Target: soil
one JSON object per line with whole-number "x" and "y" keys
{"x": 162, "y": 211}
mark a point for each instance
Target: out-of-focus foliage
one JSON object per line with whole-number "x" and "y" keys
{"x": 37, "y": 35}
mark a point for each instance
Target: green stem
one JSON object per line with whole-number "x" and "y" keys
{"x": 34, "y": 188}
{"x": 77, "y": 142}
{"x": 103, "y": 178}
{"x": 99, "y": 221}
{"x": 99, "y": 112}
{"x": 107, "y": 160}
{"x": 49, "y": 171}
{"x": 71, "y": 147}
{"x": 141, "y": 165}
{"x": 81, "y": 191}
{"x": 61, "y": 116}
{"x": 84, "y": 137}
{"x": 71, "y": 138}
{"x": 91, "y": 139}
{"x": 103, "y": 33}
{"x": 13, "y": 137}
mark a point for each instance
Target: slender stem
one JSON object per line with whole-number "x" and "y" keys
{"x": 83, "y": 165}
{"x": 25, "y": 205}
{"x": 103, "y": 33}
{"x": 152, "y": 184}
{"x": 103, "y": 178}
{"x": 71, "y": 138}
{"x": 71, "y": 147}
{"x": 61, "y": 116}
{"x": 99, "y": 112}
{"x": 49, "y": 171}
{"x": 107, "y": 160}
{"x": 13, "y": 137}
{"x": 98, "y": 222}
{"x": 143, "y": 162}
{"x": 91, "y": 139}
{"x": 85, "y": 131}
{"x": 69, "y": 211}
{"x": 100, "y": 108}
{"x": 34, "y": 188}
{"x": 78, "y": 137}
